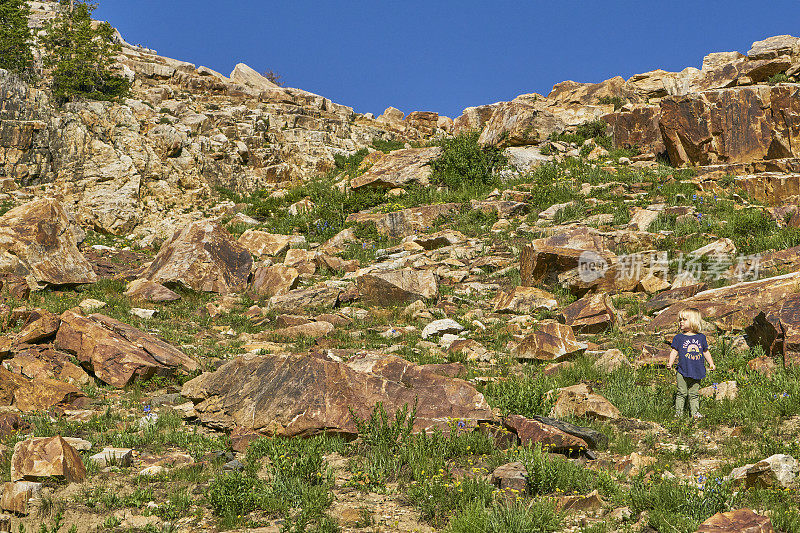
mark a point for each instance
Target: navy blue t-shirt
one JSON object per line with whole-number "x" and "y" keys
{"x": 691, "y": 363}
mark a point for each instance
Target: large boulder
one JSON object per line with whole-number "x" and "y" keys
{"x": 40, "y": 394}
{"x": 580, "y": 401}
{"x": 37, "y": 241}
{"x": 292, "y": 395}
{"x": 399, "y": 168}
{"x": 551, "y": 342}
{"x": 525, "y": 120}
{"x": 116, "y": 352}
{"x": 398, "y": 286}
{"x": 46, "y": 457}
{"x": 736, "y": 521}
{"x": 203, "y": 257}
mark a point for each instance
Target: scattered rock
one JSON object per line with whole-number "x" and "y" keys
{"x": 552, "y": 342}
{"x": 532, "y": 431}
{"x": 398, "y": 286}
{"x": 512, "y": 477}
{"x": 440, "y": 327}
{"x": 120, "y": 457}
{"x": 524, "y": 300}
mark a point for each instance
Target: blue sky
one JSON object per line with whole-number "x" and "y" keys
{"x": 445, "y": 55}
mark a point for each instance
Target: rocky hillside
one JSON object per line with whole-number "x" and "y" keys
{"x": 228, "y": 305}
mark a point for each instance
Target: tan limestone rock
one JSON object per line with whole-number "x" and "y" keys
{"x": 203, "y": 257}
{"x": 18, "y": 496}
{"x": 319, "y": 296}
{"x": 303, "y": 395}
{"x": 275, "y": 280}
{"x": 46, "y": 457}
{"x": 261, "y": 243}
{"x": 37, "y": 241}
{"x": 531, "y": 432}
{"x": 116, "y": 352}
{"x": 399, "y": 286}
{"x": 524, "y": 300}
{"x": 552, "y": 342}
{"x": 591, "y": 314}
{"x": 399, "y": 168}
{"x": 736, "y": 521}
{"x": 579, "y": 400}
{"x": 150, "y": 291}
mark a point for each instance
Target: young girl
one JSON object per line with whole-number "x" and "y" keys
{"x": 691, "y": 349}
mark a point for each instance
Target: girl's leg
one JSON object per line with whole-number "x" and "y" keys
{"x": 694, "y": 396}
{"x": 680, "y": 398}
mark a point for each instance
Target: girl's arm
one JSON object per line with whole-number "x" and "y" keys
{"x": 709, "y": 360}
{"x": 672, "y": 355}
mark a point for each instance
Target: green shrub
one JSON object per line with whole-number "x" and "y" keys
{"x": 588, "y": 130}
{"x": 464, "y": 163}
{"x": 780, "y": 77}
{"x": 439, "y": 497}
{"x": 387, "y": 146}
{"x": 677, "y": 506}
{"x": 617, "y": 101}
{"x": 537, "y": 516}
{"x": 232, "y": 495}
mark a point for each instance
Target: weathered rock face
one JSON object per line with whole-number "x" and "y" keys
{"x": 637, "y": 127}
{"x": 591, "y": 314}
{"x": 18, "y": 496}
{"x": 524, "y": 120}
{"x": 532, "y": 431}
{"x": 736, "y": 125}
{"x": 29, "y": 395}
{"x": 399, "y": 286}
{"x": 770, "y": 188}
{"x": 736, "y": 521}
{"x": 303, "y": 395}
{"x": 204, "y": 257}
{"x": 37, "y": 242}
{"x": 398, "y": 168}
{"x": 46, "y": 457}
{"x": 552, "y": 342}
{"x": 118, "y": 353}
{"x": 579, "y": 400}
{"x": 406, "y": 221}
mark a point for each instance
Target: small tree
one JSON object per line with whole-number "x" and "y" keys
{"x": 80, "y": 52}
{"x": 15, "y": 37}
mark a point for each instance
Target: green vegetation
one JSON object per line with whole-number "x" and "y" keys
{"x": 590, "y": 130}
{"x": 616, "y": 101}
{"x": 80, "y": 54}
{"x": 780, "y": 77}
{"x": 15, "y": 37}
{"x": 465, "y": 163}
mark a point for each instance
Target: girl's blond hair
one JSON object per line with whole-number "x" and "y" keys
{"x": 693, "y": 319}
